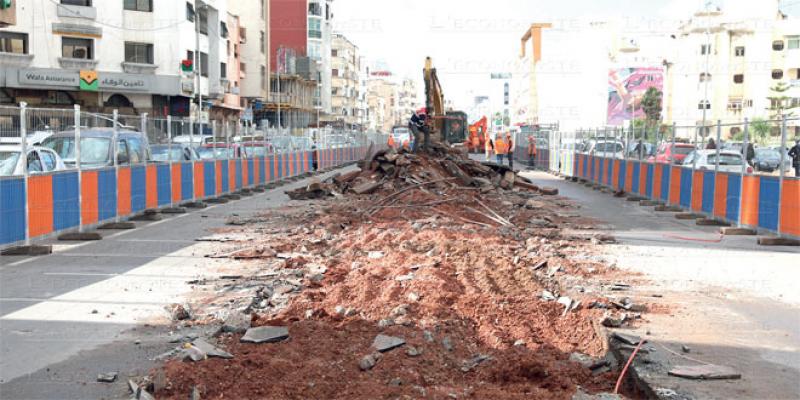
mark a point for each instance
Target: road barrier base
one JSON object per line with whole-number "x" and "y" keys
{"x": 688, "y": 216}
{"x": 664, "y": 208}
{"x": 173, "y": 210}
{"x": 737, "y": 231}
{"x": 80, "y": 237}
{"x": 147, "y": 217}
{"x": 232, "y": 196}
{"x": 710, "y": 222}
{"x": 117, "y": 226}
{"x": 777, "y": 241}
{"x": 246, "y": 192}
{"x": 32, "y": 250}
{"x": 258, "y": 190}
{"x": 195, "y": 204}
{"x": 635, "y": 198}
{"x": 217, "y": 200}
{"x": 649, "y": 203}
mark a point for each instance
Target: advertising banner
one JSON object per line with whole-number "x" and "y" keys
{"x": 626, "y": 88}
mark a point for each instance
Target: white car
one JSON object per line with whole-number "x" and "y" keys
{"x": 607, "y": 148}
{"x": 40, "y": 160}
{"x": 729, "y": 161}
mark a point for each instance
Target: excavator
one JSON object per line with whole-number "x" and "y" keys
{"x": 449, "y": 126}
{"x": 477, "y": 135}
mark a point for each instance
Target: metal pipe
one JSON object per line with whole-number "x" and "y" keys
{"x": 77, "y": 117}
{"x": 744, "y": 169}
{"x": 780, "y": 167}
{"x": 23, "y": 131}
{"x": 115, "y": 151}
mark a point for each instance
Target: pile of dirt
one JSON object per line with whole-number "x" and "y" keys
{"x": 478, "y": 280}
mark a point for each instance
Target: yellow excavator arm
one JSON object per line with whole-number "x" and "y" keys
{"x": 434, "y": 98}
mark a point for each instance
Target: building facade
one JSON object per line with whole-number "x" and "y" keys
{"x": 345, "y": 82}
{"x": 320, "y": 17}
{"x": 253, "y": 51}
{"x": 382, "y": 102}
{"x": 115, "y": 56}
{"x": 408, "y": 100}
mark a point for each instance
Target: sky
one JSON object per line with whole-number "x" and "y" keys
{"x": 469, "y": 39}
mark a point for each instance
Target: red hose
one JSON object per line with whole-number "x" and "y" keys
{"x": 717, "y": 240}
{"x": 628, "y": 364}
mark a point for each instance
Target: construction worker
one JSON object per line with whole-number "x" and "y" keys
{"x": 391, "y": 141}
{"x": 407, "y": 144}
{"x": 418, "y": 125}
{"x": 500, "y": 148}
{"x": 510, "y": 144}
{"x": 531, "y": 151}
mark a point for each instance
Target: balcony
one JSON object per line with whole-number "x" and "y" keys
{"x": 314, "y": 34}
{"x": 77, "y": 63}
{"x": 15, "y": 60}
{"x": 137, "y": 68}
{"x": 71, "y": 11}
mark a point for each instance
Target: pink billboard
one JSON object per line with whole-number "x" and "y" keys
{"x": 626, "y": 88}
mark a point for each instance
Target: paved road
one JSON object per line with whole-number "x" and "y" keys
{"x": 66, "y": 317}
{"x": 733, "y": 302}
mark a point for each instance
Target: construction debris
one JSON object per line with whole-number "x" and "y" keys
{"x": 707, "y": 371}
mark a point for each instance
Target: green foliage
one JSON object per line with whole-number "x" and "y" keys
{"x": 651, "y": 103}
{"x": 759, "y": 131}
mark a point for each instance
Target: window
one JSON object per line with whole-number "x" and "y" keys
{"x": 138, "y": 5}
{"x": 11, "y": 42}
{"x": 335, "y": 72}
{"x": 122, "y": 152}
{"x": 739, "y": 51}
{"x": 34, "y": 163}
{"x": 263, "y": 9}
{"x": 223, "y": 70}
{"x": 748, "y": 103}
{"x": 203, "y": 64}
{"x": 136, "y": 150}
{"x": 795, "y": 73}
{"x": 777, "y": 45}
{"x": 334, "y": 53}
{"x": 223, "y": 30}
{"x": 777, "y": 74}
{"x": 793, "y": 42}
{"x": 738, "y": 78}
{"x": 49, "y": 159}
{"x": 314, "y": 51}
{"x": 77, "y": 48}
{"x": 315, "y": 9}
{"x": 263, "y": 42}
{"x": 705, "y": 49}
{"x": 203, "y": 15}
{"x": 704, "y": 104}
{"x": 140, "y": 53}
{"x": 243, "y": 67}
{"x": 263, "y": 77}
{"x": 190, "y": 12}
{"x": 705, "y": 77}
{"x": 314, "y": 28}
{"x": 85, "y": 3}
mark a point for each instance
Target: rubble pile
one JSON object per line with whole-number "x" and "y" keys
{"x": 418, "y": 276}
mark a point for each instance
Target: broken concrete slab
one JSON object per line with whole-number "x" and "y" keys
{"x": 80, "y": 237}
{"x": 266, "y": 334}
{"x": 737, "y": 231}
{"x": 384, "y": 343}
{"x": 548, "y": 191}
{"x": 237, "y": 322}
{"x": 117, "y": 226}
{"x": 107, "y": 377}
{"x": 31, "y": 250}
{"x": 627, "y": 339}
{"x": 210, "y": 350}
{"x": 368, "y": 362}
{"x": 777, "y": 241}
{"x": 366, "y": 188}
{"x": 708, "y": 371}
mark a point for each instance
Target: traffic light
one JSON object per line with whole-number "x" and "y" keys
{"x": 4, "y": 4}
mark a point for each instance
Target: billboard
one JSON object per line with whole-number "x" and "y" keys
{"x": 626, "y": 88}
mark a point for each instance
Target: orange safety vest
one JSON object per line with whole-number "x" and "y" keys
{"x": 500, "y": 147}
{"x": 532, "y": 148}
{"x": 406, "y": 144}
{"x": 391, "y": 141}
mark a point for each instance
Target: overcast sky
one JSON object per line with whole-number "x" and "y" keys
{"x": 469, "y": 39}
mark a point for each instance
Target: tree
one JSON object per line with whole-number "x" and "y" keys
{"x": 651, "y": 103}
{"x": 780, "y": 104}
{"x": 759, "y": 131}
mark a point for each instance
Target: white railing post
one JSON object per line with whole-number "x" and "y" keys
{"x": 114, "y": 154}
{"x": 23, "y": 131}
{"x": 78, "y": 163}
{"x": 780, "y": 168}
{"x": 744, "y": 170}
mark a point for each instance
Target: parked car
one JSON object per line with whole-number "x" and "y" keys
{"x": 768, "y": 160}
{"x": 211, "y": 153}
{"x": 302, "y": 143}
{"x": 197, "y": 140}
{"x": 257, "y": 148}
{"x": 729, "y": 161}
{"x": 667, "y": 151}
{"x": 40, "y": 160}
{"x": 97, "y": 149}
{"x": 787, "y": 160}
{"x": 174, "y": 152}
{"x": 604, "y": 148}
{"x": 233, "y": 150}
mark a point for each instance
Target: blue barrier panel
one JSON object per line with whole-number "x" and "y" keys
{"x": 648, "y": 187}
{"x": 251, "y": 171}
{"x": 12, "y": 210}
{"x": 138, "y": 188}
{"x": 209, "y": 178}
{"x": 237, "y": 165}
{"x": 225, "y": 176}
{"x": 106, "y": 194}
{"x": 768, "y": 202}
{"x": 262, "y": 163}
{"x": 163, "y": 184}
{"x": 585, "y": 174}
{"x": 285, "y": 162}
{"x": 732, "y": 199}
{"x": 666, "y": 171}
{"x": 709, "y": 184}
{"x": 635, "y": 167}
{"x": 610, "y": 171}
{"x": 592, "y": 176}
{"x": 686, "y": 188}
{"x": 66, "y": 204}
{"x": 623, "y": 171}
{"x": 187, "y": 181}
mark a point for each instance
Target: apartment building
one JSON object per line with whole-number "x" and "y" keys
{"x": 408, "y": 99}
{"x": 382, "y": 102}
{"x": 116, "y": 56}
{"x": 345, "y": 82}
{"x": 252, "y": 50}
{"x": 320, "y": 18}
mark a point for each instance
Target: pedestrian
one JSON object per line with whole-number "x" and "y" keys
{"x": 391, "y": 141}
{"x": 489, "y": 146}
{"x": 500, "y": 148}
{"x": 418, "y": 126}
{"x": 795, "y": 154}
{"x": 531, "y": 151}
{"x": 510, "y": 142}
{"x": 750, "y": 154}
{"x": 640, "y": 149}
{"x": 712, "y": 145}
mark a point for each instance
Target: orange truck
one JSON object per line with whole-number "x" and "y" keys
{"x": 477, "y": 135}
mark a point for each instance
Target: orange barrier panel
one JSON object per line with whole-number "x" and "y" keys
{"x": 231, "y": 176}
{"x": 643, "y": 178}
{"x": 90, "y": 207}
{"x": 750, "y": 193}
{"x": 245, "y": 172}
{"x": 256, "y": 171}
{"x": 291, "y": 163}
{"x": 123, "y": 192}
{"x": 629, "y": 176}
{"x": 697, "y": 191}
{"x": 151, "y": 187}
{"x": 218, "y": 177}
{"x": 657, "y": 177}
{"x": 615, "y": 175}
{"x": 790, "y": 207}
{"x": 176, "y": 183}
{"x": 675, "y": 185}
{"x": 199, "y": 181}
{"x": 721, "y": 196}
{"x": 40, "y": 205}
{"x": 275, "y": 169}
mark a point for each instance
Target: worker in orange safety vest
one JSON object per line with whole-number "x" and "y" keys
{"x": 406, "y": 144}
{"x": 391, "y": 141}
{"x": 531, "y": 151}
{"x": 500, "y": 148}
{"x": 510, "y": 145}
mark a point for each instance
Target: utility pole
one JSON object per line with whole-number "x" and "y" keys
{"x": 707, "y": 74}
